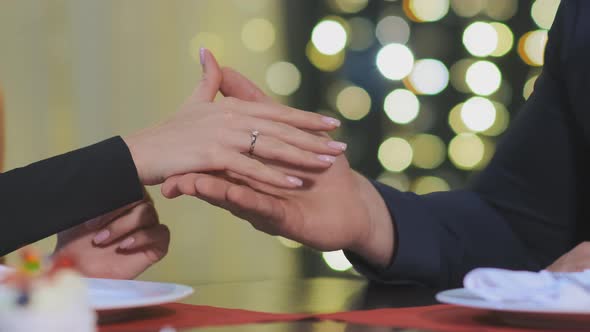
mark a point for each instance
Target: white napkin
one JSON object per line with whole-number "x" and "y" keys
{"x": 549, "y": 289}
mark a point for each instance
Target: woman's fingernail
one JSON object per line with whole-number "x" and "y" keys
{"x": 331, "y": 121}
{"x": 127, "y": 243}
{"x": 102, "y": 236}
{"x": 296, "y": 181}
{"x": 337, "y": 145}
{"x": 202, "y": 56}
{"x": 326, "y": 158}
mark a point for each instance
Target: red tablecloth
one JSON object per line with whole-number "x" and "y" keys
{"x": 437, "y": 318}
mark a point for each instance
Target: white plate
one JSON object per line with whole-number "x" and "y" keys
{"x": 109, "y": 294}
{"x": 523, "y": 314}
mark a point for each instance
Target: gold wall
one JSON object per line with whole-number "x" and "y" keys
{"x": 79, "y": 71}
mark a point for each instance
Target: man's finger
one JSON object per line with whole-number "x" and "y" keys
{"x": 238, "y": 86}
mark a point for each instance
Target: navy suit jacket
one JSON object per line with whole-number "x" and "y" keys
{"x": 530, "y": 205}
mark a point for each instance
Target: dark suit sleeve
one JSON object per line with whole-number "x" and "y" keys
{"x": 55, "y": 194}
{"x": 519, "y": 214}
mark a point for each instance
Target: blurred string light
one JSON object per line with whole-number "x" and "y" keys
{"x": 468, "y": 8}
{"x": 529, "y": 87}
{"x": 501, "y": 121}
{"x": 458, "y": 118}
{"x": 258, "y": 34}
{"x": 543, "y": 12}
{"x": 395, "y": 61}
{"x": 478, "y": 114}
{"x": 353, "y": 102}
{"x": 428, "y": 77}
{"x": 336, "y": 260}
{"x": 426, "y": 10}
{"x": 483, "y": 78}
{"x": 395, "y": 154}
{"x": 429, "y": 184}
{"x": 401, "y": 106}
{"x": 505, "y": 39}
{"x": 361, "y": 33}
{"x": 480, "y": 39}
{"x": 283, "y": 78}
{"x": 251, "y": 6}
{"x": 501, "y": 10}
{"x": 327, "y": 63}
{"x": 429, "y": 151}
{"x": 466, "y": 151}
{"x": 392, "y": 29}
{"x": 289, "y": 243}
{"x": 458, "y": 73}
{"x": 531, "y": 47}
{"x": 399, "y": 181}
{"x": 348, "y": 6}
{"x": 329, "y": 37}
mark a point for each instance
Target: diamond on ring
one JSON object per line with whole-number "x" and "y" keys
{"x": 253, "y": 138}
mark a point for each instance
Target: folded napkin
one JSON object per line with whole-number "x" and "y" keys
{"x": 569, "y": 291}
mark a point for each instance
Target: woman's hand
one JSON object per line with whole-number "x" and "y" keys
{"x": 119, "y": 245}
{"x": 207, "y": 136}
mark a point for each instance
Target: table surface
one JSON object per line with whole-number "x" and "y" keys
{"x": 319, "y": 295}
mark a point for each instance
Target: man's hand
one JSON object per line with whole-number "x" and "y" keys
{"x": 119, "y": 245}
{"x": 576, "y": 260}
{"x": 336, "y": 208}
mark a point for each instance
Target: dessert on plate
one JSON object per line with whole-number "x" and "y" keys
{"x": 44, "y": 297}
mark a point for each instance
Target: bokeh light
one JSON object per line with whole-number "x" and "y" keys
{"x": 323, "y": 62}
{"x": 466, "y": 151}
{"x": 429, "y": 77}
{"x": 349, "y": 6}
{"x": 455, "y": 121}
{"x": 336, "y": 260}
{"x": 426, "y": 10}
{"x": 283, "y": 78}
{"x": 483, "y": 78}
{"x": 289, "y": 243}
{"x": 501, "y": 10}
{"x": 329, "y": 37}
{"x": 401, "y": 106}
{"x": 429, "y": 184}
{"x": 505, "y": 39}
{"x": 353, "y": 102}
{"x": 501, "y": 122}
{"x": 399, "y": 181}
{"x": 468, "y": 8}
{"x": 258, "y": 34}
{"x": 531, "y": 47}
{"x": 480, "y": 39}
{"x": 543, "y": 12}
{"x": 395, "y": 61}
{"x": 392, "y": 29}
{"x": 478, "y": 114}
{"x": 361, "y": 33}
{"x": 458, "y": 73}
{"x": 395, "y": 154}
{"x": 529, "y": 87}
{"x": 429, "y": 151}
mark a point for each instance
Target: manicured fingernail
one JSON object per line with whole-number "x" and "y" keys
{"x": 127, "y": 243}
{"x": 331, "y": 121}
{"x": 337, "y": 145}
{"x": 202, "y": 56}
{"x": 295, "y": 181}
{"x": 102, "y": 236}
{"x": 326, "y": 158}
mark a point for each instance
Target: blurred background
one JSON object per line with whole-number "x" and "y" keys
{"x": 425, "y": 89}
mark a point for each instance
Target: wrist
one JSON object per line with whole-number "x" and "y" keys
{"x": 133, "y": 142}
{"x": 377, "y": 245}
